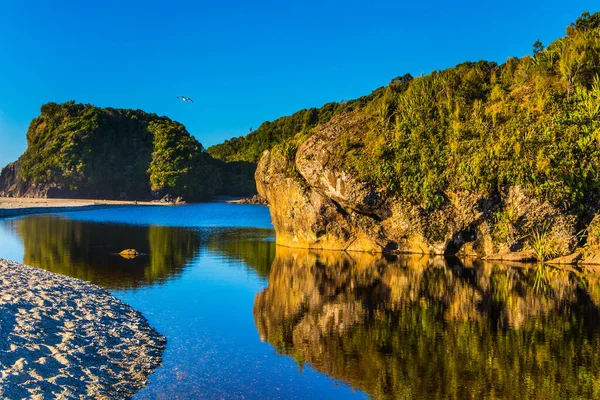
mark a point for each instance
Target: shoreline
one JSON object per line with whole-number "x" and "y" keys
{"x": 19, "y": 206}
{"x": 70, "y": 338}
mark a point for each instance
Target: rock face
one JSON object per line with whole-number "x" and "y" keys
{"x": 8, "y": 179}
{"x": 11, "y": 185}
{"x": 485, "y": 159}
{"x": 336, "y": 213}
{"x": 316, "y": 203}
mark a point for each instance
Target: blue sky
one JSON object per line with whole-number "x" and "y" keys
{"x": 243, "y": 62}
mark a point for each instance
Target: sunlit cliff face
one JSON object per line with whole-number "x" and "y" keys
{"x": 420, "y": 327}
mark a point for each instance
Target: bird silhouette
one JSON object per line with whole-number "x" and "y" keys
{"x": 185, "y": 98}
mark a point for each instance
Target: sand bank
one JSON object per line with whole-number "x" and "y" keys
{"x": 63, "y": 337}
{"x": 15, "y": 206}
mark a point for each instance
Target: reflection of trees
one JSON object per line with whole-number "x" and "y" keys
{"x": 430, "y": 328}
{"x": 171, "y": 249}
{"x": 87, "y": 250}
{"x": 253, "y": 246}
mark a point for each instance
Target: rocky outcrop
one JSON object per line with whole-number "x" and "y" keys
{"x": 467, "y": 158}
{"x": 316, "y": 203}
{"x": 12, "y": 185}
{"x": 9, "y": 182}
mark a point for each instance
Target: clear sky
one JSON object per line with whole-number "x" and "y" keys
{"x": 244, "y": 62}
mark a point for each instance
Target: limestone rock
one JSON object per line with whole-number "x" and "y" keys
{"x": 315, "y": 204}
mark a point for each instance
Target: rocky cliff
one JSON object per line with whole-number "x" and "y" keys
{"x": 500, "y": 161}
{"x": 9, "y": 180}
{"x": 316, "y": 204}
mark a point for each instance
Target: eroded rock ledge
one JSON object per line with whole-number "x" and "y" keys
{"x": 316, "y": 203}
{"x": 65, "y": 338}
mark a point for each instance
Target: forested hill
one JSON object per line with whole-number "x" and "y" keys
{"x": 83, "y": 151}
{"x": 532, "y": 121}
{"x": 504, "y": 153}
{"x": 476, "y": 116}
{"x": 250, "y": 147}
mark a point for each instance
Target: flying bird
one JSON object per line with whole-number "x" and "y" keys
{"x": 185, "y": 98}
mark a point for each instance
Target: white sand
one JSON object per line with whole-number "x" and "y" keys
{"x": 15, "y": 206}
{"x": 64, "y": 338}
{"x": 25, "y": 202}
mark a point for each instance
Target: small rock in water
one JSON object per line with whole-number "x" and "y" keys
{"x": 129, "y": 253}
{"x": 169, "y": 198}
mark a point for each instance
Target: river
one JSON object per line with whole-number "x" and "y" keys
{"x": 247, "y": 319}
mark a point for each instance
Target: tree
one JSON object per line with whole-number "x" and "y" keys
{"x": 538, "y": 47}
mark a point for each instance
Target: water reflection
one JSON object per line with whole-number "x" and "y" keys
{"x": 255, "y": 247}
{"x": 89, "y": 250}
{"x": 419, "y": 327}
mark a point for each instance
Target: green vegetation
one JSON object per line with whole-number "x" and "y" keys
{"x": 89, "y": 251}
{"x": 253, "y": 247}
{"x": 505, "y": 227}
{"x": 178, "y": 165}
{"x": 86, "y": 151}
{"x": 541, "y": 243}
{"x": 250, "y": 147}
{"x": 81, "y": 147}
{"x": 532, "y": 122}
{"x": 237, "y": 178}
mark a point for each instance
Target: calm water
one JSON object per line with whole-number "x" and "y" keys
{"x": 245, "y": 319}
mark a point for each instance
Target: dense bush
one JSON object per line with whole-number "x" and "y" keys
{"x": 250, "y": 147}
{"x": 109, "y": 153}
{"x": 178, "y": 165}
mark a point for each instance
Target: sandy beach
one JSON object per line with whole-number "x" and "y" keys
{"x": 61, "y": 337}
{"x": 15, "y": 206}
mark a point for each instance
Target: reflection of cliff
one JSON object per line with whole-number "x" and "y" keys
{"x": 423, "y": 328}
{"x": 253, "y": 246}
{"x": 87, "y": 250}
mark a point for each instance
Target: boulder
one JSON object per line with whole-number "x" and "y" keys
{"x": 129, "y": 253}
